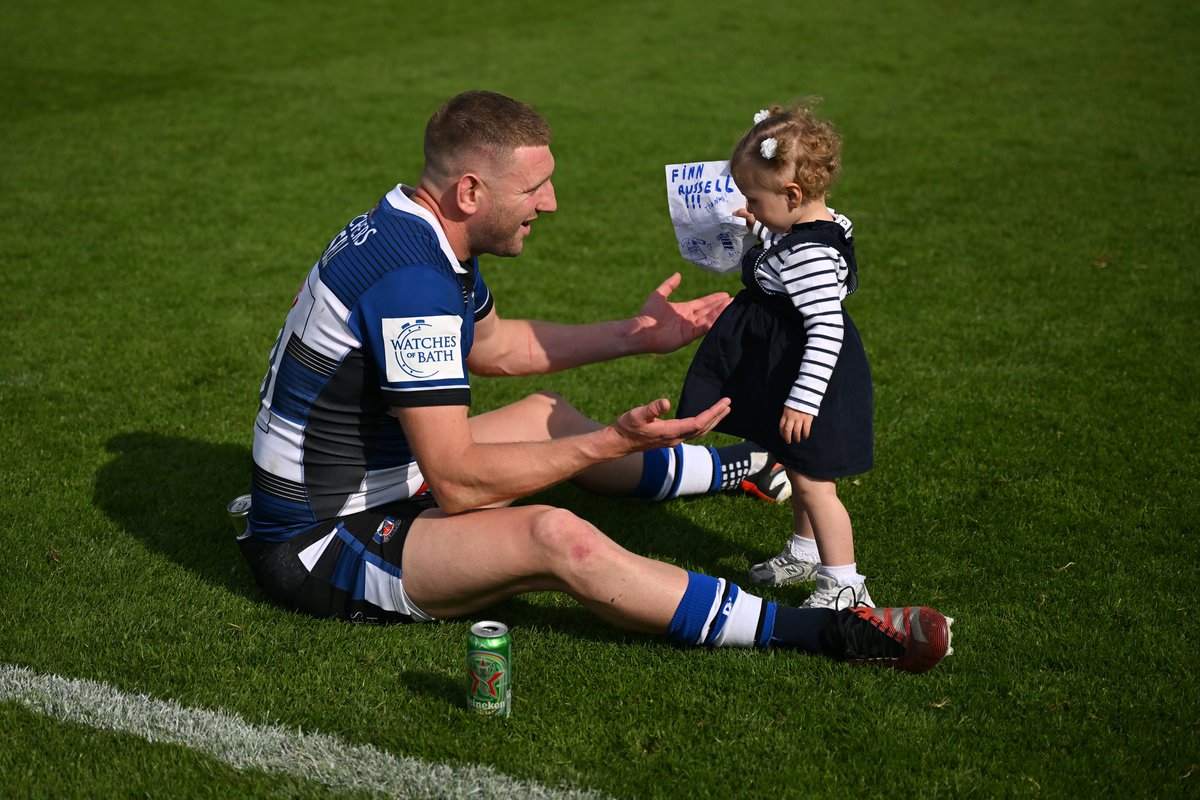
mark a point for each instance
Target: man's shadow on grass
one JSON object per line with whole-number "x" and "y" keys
{"x": 171, "y": 493}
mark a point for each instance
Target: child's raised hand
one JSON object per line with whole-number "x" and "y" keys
{"x": 794, "y": 426}
{"x": 746, "y": 215}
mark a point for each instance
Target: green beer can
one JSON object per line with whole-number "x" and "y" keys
{"x": 489, "y": 668}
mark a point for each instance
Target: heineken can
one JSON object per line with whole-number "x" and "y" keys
{"x": 238, "y": 510}
{"x": 489, "y": 669}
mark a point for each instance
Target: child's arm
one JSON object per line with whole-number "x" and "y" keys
{"x": 809, "y": 271}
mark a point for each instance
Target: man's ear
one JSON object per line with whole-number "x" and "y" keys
{"x": 467, "y": 193}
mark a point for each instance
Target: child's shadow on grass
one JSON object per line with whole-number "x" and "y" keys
{"x": 171, "y": 493}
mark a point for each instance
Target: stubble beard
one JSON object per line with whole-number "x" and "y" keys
{"x": 497, "y": 237}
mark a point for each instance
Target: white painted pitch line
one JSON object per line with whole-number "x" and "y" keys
{"x": 270, "y": 748}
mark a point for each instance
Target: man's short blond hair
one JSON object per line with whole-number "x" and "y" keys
{"x": 478, "y": 129}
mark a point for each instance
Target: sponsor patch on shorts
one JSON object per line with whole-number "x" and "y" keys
{"x": 423, "y": 348}
{"x": 386, "y": 530}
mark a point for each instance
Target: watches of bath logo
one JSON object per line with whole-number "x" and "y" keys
{"x": 423, "y": 348}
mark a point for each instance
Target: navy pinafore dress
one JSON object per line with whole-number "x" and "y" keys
{"x": 752, "y": 355}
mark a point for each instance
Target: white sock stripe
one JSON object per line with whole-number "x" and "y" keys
{"x": 697, "y": 471}
{"x": 732, "y": 620}
{"x": 669, "y": 478}
{"x": 742, "y": 624}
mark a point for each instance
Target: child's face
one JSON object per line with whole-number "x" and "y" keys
{"x": 778, "y": 209}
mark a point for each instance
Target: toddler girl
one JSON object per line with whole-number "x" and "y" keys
{"x": 786, "y": 352}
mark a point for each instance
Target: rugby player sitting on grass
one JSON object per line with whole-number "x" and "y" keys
{"x": 378, "y": 498}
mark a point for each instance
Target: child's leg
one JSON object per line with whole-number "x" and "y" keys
{"x": 819, "y": 510}
{"x": 820, "y": 514}
{"x": 804, "y": 539}
{"x": 798, "y": 561}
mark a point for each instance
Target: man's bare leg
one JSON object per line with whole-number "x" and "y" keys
{"x": 461, "y": 564}
{"x": 457, "y": 565}
{"x": 545, "y": 415}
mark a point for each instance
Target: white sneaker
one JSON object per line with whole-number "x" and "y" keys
{"x": 784, "y": 568}
{"x": 831, "y": 595}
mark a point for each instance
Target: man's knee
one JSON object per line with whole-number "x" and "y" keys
{"x": 567, "y": 541}
{"x": 562, "y": 418}
{"x": 547, "y": 398}
{"x": 553, "y": 405}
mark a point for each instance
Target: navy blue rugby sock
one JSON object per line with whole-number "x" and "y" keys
{"x": 717, "y": 613}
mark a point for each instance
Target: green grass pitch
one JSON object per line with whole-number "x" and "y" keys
{"x": 1023, "y": 182}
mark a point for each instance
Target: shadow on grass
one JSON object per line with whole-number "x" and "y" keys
{"x": 435, "y": 686}
{"x": 171, "y": 492}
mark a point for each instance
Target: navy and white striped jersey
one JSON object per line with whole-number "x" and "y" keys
{"x": 816, "y": 278}
{"x": 385, "y": 318}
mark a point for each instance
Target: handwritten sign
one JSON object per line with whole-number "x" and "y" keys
{"x": 702, "y": 197}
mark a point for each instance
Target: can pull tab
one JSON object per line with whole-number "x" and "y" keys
{"x": 239, "y": 510}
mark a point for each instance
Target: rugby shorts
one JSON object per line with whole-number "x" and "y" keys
{"x": 347, "y": 568}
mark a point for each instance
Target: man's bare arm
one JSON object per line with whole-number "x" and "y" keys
{"x": 464, "y": 474}
{"x": 533, "y": 347}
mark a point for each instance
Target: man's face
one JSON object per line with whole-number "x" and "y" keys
{"x": 513, "y": 197}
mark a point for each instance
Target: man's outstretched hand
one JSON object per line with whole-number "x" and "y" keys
{"x": 663, "y": 326}
{"x": 644, "y": 428}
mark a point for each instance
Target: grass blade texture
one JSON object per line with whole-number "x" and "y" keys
{"x": 1023, "y": 182}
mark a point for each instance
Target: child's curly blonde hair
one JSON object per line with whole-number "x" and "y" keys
{"x": 807, "y": 151}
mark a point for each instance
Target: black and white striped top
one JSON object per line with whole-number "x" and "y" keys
{"x": 816, "y": 278}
